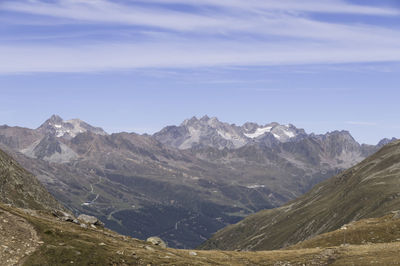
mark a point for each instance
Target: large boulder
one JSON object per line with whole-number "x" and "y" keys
{"x": 156, "y": 241}
{"x": 89, "y": 220}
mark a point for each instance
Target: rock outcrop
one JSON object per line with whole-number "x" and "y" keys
{"x": 156, "y": 241}
{"x": 91, "y": 220}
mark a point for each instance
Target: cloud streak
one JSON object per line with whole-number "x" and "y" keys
{"x": 327, "y": 6}
{"x": 231, "y": 33}
{"x": 119, "y": 56}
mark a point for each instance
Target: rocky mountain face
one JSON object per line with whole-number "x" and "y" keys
{"x": 213, "y": 133}
{"x": 56, "y": 126}
{"x": 196, "y": 178}
{"x": 369, "y": 189}
{"x": 386, "y": 141}
{"x": 21, "y": 189}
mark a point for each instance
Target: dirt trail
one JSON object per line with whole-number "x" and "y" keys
{"x": 18, "y": 239}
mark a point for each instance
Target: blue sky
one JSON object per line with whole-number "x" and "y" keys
{"x": 139, "y": 65}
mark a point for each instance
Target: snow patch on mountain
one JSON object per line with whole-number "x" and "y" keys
{"x": 255, "y": 186}
{"x": 289, "y": 134}
{"x": 259, "y": 132}
{"x": 71, "y": 131}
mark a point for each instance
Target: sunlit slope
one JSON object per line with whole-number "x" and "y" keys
{"x": 20, "y": 188}
{"x": 369, "y": 189}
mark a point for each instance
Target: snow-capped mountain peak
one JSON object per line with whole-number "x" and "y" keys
{"x": 208, "y": 131}
{"x": 57, "y": 127}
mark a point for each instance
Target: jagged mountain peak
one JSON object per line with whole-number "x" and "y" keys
{"x": 209, "y": 131}
{"x": 386, "y": 141}
{"x": 205, "y": 118}
{"x": 343, "y": 136}
{"x": 189, "y": 121}
{"x": 55, "y": 119}
{"x": 58, "y": 127}
{"x": 212, "y": 121}
{"x": 339, "y": 132}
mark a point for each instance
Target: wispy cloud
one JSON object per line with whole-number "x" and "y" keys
{"x": 116, "y": 56}
{"x": 231, "y": 33}
{"x": 326, "y": 6}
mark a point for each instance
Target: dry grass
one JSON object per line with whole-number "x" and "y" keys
{"x": 366, "y": 231}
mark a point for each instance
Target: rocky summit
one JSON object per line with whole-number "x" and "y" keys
{"x": 211, "y": 132}
{"x": 56, "y": 126}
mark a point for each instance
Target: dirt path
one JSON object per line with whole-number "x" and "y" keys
{"x": 93, "y": 193}
{"x": 18, "y": 239}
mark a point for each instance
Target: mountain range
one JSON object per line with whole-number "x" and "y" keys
{"x": 196, "y": 178}
{"x": 211, "y": 132}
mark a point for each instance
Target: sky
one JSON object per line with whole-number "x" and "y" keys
{"x": 140, "y": 65}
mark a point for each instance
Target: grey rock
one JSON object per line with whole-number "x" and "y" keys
{"x": 63, "y": 216}
{"x": 90, "y": 220}
{"x": 157, "y": 241}
{"x": 386, "y": 141}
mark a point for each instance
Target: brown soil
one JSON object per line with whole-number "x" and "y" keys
{"x": 18, "y": 239}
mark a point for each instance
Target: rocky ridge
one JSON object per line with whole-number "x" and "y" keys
{"x": 211, "y": 132}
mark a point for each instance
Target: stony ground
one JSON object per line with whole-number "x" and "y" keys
{"x": 18, "y": 239}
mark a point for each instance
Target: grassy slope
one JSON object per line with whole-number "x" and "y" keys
{"x": 384, "y": 229}
{"x": 370, "y": 189}
{"x": 21, "y": 188}
{"x": 68, "y": 244}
